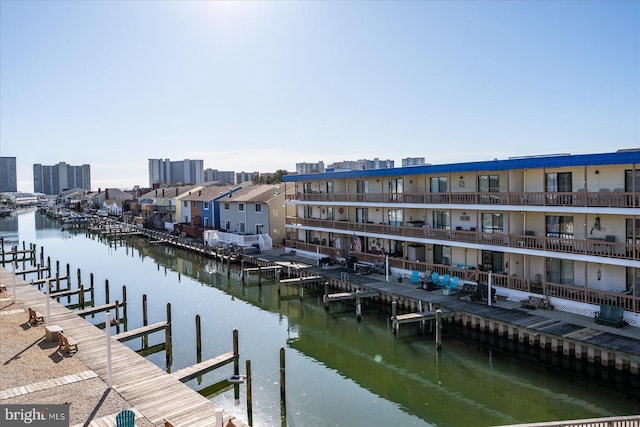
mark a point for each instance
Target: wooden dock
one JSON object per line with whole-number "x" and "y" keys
{"x": 198, "y": 369}
{"x": 151, "y": 391}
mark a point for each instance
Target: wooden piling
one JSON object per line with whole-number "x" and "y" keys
{"x": 145, "y": 338}
{"x": 236, "y": 363}
{"x": 283, "y": 390}
{"x": 167, "y": 337}
{"x": 106, "y": 291}
{"x": 124, "y": 306}
{"x": 198, "y": 340}
{"x": 249, "y": 395}
{"x": 438, "y": 329}
{"x": 325, "y": 298}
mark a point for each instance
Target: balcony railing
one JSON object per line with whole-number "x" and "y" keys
{"x": 613, "y": 199}
{"x": 562, "y": 244}
{"x": 627, "y": 301}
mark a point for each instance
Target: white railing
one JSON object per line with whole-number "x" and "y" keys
{"x": 628, "y": 421}
{"x": 214, "y": 238}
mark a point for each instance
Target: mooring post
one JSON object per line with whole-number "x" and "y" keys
{"x": 145, "y": 337}
{"x": 249, "y": 394}
{"x": 68, "y": 276}
{"x": 91, "y": 288}
{"x": 57, "y": 283}
{"x": 49, "y": 265}
{"x": 301, "y": 291}
{"x": 358, "y": 306}
{"x": 116, "y": 321}
{"x": 236, "y": 364}
{"x": 57, "y": 267}
{"x": 259, "y": 275}
{"x": 283, "y": 390}
{"x": 167, "y": 337}
{"x": 42, "y": 255}
{"x": 438, "y": 329}
{"x": 394, "y": 313}
{"x": 106, "y": 291}
{"x": 242, "y": 272}
{"x": 81, "y": 297}
{"x": 124, "y": 305}
{"x": 198, "y": 339}
{"x": 325, "y": 297}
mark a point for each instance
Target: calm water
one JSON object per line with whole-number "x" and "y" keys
{"x": 339, "y": 372}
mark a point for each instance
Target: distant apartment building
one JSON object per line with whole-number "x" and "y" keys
{"x": 246, "y": 176}
{"x": 223, "y": 177}
{"x": 413, "y": 161}
{"x": 307, "y": 168}
{"x": 54, "y": 179}
{"x": 175, "y": 172}
{"x": 362, "y": 164}
{"x": 8, "y": 175}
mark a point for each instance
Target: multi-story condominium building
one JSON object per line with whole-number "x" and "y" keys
{"x": 54, "y": 179}
{"x": 223, "y": 177}
{"x": 362, "y": 164}
{"x": 175, "y": 172}
{"x": 413, "y": 161}
{"x": 567, "y": 227}
{"x": 304, "y": 168}
{"x": 8, "y": 175}
{"x": 242, "y": 177}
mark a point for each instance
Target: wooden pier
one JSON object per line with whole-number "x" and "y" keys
{"x": 145, "y": 386}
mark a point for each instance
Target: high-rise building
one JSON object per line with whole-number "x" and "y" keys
{"x": 54, "y": 179}
{"x": 246, "y": 176}
{"x": 305, "y": 168}
{"x": 413, "y": 161}
{"x": 8, "y": 175}
{"x": 223, "y": 177}
{"x": 175, "y": 172}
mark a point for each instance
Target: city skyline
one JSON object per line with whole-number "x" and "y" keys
{"x": 261, "y": 86}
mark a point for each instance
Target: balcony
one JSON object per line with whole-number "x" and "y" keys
{"x": 554, "y": 243}
{"x": 164, "y": 209}
{"x": 601, "y": 198}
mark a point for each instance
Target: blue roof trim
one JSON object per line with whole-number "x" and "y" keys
{"x": 538, "y": 162}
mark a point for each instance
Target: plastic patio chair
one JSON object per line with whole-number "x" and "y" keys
{"x": 126, "y": 418}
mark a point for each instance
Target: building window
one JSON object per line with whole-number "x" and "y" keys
{"x": 329, "y": 187}
{"x": 488, "y": 184}
{"x": 362, "y": 187}
{"x": 558, "y": 182}
{"x": 185, "y": 204}
{"x": 206, "y": 206}
{"x": 194, "y": 204}
{"x": 241, "y": 227}
{"x": 226, "y": 206}
{"x": 362, "y": 215}
{"x": 439, "y": 184}
{"x": 441, "y": 220}
{"x": 396, "y": 188}
{"x": 492, "y": 223}
{"x": 560, "y": 226}
{"x": 631, "y": 180}
{"x": 442, "y": 254}
{"x": 560, "y": 271}
{"x": 241, "y": 207}
{"x": 395, "y": 216}
{"x": 258, "y": 207}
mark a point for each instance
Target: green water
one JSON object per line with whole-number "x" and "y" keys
{"x": 338, "y": 372}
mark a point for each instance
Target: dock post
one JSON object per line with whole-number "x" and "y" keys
{"x": 145, "y": 337}
{"x": 57, "y": 283}
{"x": 358, "y": 306}
{"x": 283, "y": 390}
{"x": 91, "y": 288}
{"x": 249, "y": 395}
{"x": 49, "y": 265}
{"x": 42, "y": 255}
{"x": 325, "y": 298}
{"x": 198, "y": 339}
{"x": 242, "y": 272}
{"x": 236, "y": 364}
{"x": 439, "y": 329}
{"x": 259, "y": 275}
{"x": 167, "y": 337}
{"x": 106, "y": 291}
{"x": 124, "y": 305}
{"x": 301, "y": 290}
{"x": 394, "y": 313}
{"x": 81, "y": 297}
{"x": 68, "y": 276}
{"x": 116, "y": 321}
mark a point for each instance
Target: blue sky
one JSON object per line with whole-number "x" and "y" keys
{"x": 261, "y": 86}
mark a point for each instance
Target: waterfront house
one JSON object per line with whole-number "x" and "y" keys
{"x": 564, "y": 226}
{"x": 253, "y": 210}
{"x": 162, "y": 205}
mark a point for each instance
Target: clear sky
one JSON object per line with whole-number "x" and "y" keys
{"x": 261, "y": 86}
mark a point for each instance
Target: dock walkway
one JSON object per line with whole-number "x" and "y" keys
{"x": 560, "y": 331}
{"x": 136, "y": 382}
